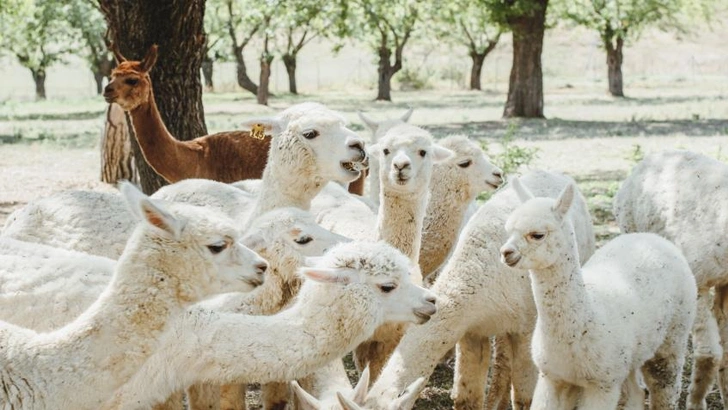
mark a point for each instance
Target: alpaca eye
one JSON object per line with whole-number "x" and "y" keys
{"x": 465, "y": 164}
{"x": 309, "y": 135}
{"x": 423, "y": 153}
{"x": 386, "y": 151}
{"x": 303, "y": 240}
{"x": 131, "y": 81}
{"x": 217, "y": 248}
{"x": 536, "y": 236}
{"x": 388, "y": 287}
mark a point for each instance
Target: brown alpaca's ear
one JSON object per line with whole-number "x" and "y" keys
{"x": 149, "y": 59}
{"x": 117, "y": 54}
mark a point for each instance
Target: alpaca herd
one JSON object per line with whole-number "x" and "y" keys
{"x": 256, "y": 265}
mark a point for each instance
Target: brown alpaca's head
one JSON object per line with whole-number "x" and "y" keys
{"x": 130, "y": 85}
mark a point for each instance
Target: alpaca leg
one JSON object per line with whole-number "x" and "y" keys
{"x": 203, "y": 397}
{"x": 376, "y": 351}
{"x": 174, "y": 402}
{"x": 707, "y": 352}
{"x": 500, "y": 377}
{"x": 524, "y": 373}
{"x": 232, "y": 396}
{"x": 720, "y": 310}
{"x": 632, "y": 396}
{"x": 275, "y": 396}
{"x": 550, "y": 395}
{"x": 600, "y": 398}
{"x": 471, "y": 370}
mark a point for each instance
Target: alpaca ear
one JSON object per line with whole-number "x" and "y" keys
{"x": 523, "y": 193}
{"x": 406, "y": 116}
{"x": 305, "y": 400}
{"x": 408, "y": 397}
{"x": 254, "y": 241}
{"x": 149, "y": 211}
{"x": 328, "y": 275}
{"x": 440, "y": 153}
{"x": 260, "y": 127}
{"x": 345, "y": 403}
{"x": 150, "y": 59}
{"x": 373, "y": 125}
{"x": 117, "y": 54}
{"x": 362, "y": 386}
{"x": 563, "y": 202}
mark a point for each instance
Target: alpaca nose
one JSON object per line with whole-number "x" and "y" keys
{"x": 399, "y": 166}
{"x": 108, "y": 89}
{"x": 261, "y": 267}
{"x": 357, "y": 145}
{"x": 507, "y": 253}
{"x": 431, "y": 299}
{"x": 498, "y": 174}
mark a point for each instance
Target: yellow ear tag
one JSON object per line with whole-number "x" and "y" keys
{"x": 258, "y": 131}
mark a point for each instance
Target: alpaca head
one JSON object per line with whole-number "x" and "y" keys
{"x": 354, "y": 400}
{"x": 130, "y": 85}
{"x": 379, "y": 128}
{"x": 379, "y": 273}
{"x": 538, "y": 230}
{"x": 198, "y": 246}
{"x": 473, "y": 169}
{"x": 406, "y": 155}
{"x": 286, "y": 236}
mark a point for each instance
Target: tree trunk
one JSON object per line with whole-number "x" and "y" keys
{"x": 525, "y": 88}
{"x": 207, "y": 70}
{"x": 614, "y": 67}
{"x": 384, "y": 71}
{"x": 289, "y": 60}
{"x": 116, "y": 158}
{"x": 177, "y": 27}
{"x": 99, "y": 78}
{"x": 39, "y": 76}
{"x": 476, "y": 69}
{"x": 242, "y": 74}
{"x": 265, "y": 63}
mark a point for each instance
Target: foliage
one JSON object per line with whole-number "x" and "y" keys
{"x": 303, "y": 20}
{"x": 414, "y": 79}
{"x": 465, "y": 22}
{"x": 87, "y": 19}
{"x": 513, "y": 156}
{"x": 37, "y": 33}
{"x": 379, "y": 23}
{"x": 636, "y": 154}
{"x": 627, "y": 19}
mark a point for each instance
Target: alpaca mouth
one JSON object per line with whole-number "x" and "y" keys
{"x": 424, "y": 314}
{"x": 351, "y": 167}
{"x": 109, "y": 98}
{"x": 253, "y": 282}
{"x": 492, "y": 185}
{"x": 512, "y": 261}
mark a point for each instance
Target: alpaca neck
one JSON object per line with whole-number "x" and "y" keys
{"x": 562, "y": 302}
{"x": 280, "y": 287}
{"x": 119, "y": 331}
{"x": 401, "y": 216}
{"x": 161, "y": 150}
{"x": 445, "y": 212}
{"x": 282, "y": 187}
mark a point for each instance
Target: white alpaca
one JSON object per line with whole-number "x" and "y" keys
{"x": 81, "y": 364}
{"x": 379, "y": 129}
{"x": 455, "y": 184}
{"x": 311, "y": 146}
{"x": 349, "y": 292}
{"x": 683, "y": 196}
{"x": 479, "y": 297}
{"x": 629, "y": 309}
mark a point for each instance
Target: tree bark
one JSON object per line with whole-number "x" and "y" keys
{"x": 39, "y": 77}
{"x": 116, "y": 158}
{"x": 207, "y": 70}
{"x": 525, "y": 88}
{"x": 177, "y": 27}
{"x": 265, "y": 63}
{"x": 614, "y": 67}
{"x": 384, "y": 71}
{"x": 99, "y": 79}
{"x": 476, "y": 69}
{"x": 289, "y": 60}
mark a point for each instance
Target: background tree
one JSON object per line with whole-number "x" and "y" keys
{"x": 387, "y": 26}
{"x": 37, "y": 33}
{"x": 472, "y": 25}
{"x": 619, "y": 21}
{"x": 242, "y": 20}
{"x": 177, "y": 27}
{"x": 300, "y": 22}
{"x": 86, "y": 18}
{"x": 216, "y": 33}
{"x": 526, "y": 19}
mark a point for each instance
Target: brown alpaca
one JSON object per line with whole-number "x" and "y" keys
{"x": 225, "y": 157}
